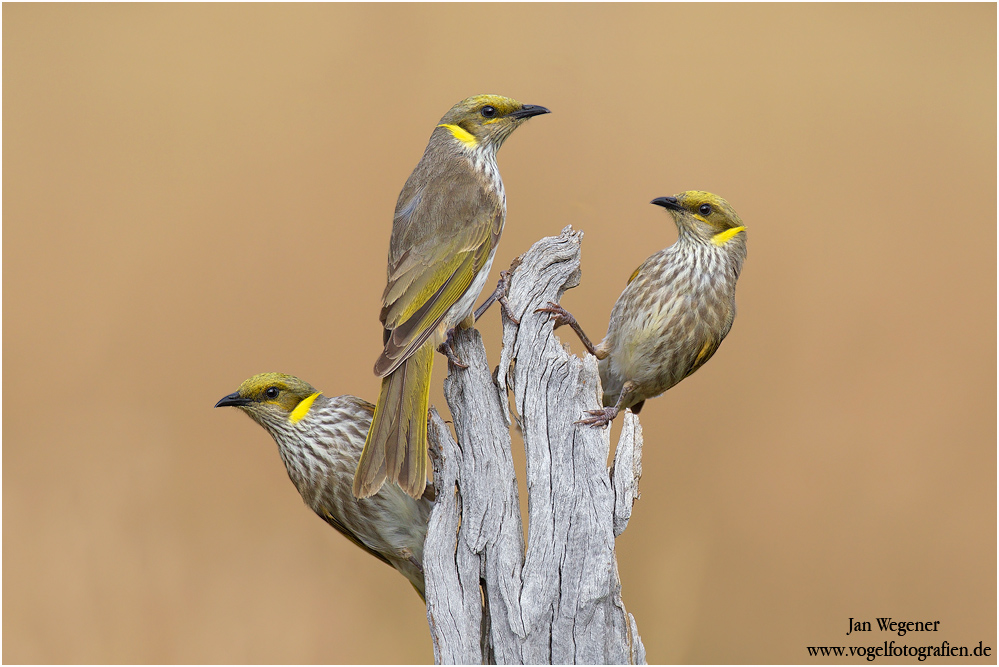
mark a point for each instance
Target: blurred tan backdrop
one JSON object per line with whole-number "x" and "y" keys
{"x": 194, "y": 194}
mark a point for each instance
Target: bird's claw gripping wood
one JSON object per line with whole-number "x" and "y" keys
{"x": 600, "y": 417}
{"x": 500, "y": 294}
{"x": 503, "y": 290}
{"x": 560, "y": 316}
{"x": 446, "y": 348}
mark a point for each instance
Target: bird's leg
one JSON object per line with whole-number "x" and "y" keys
{"x": 481, "y": 310}
{"x": 605, "y": 416}
{"x": 561, "y": 316}
{"x": 447, "y": 349}
{"x": 406, "y": 554}
{"x": 500, "y": 294}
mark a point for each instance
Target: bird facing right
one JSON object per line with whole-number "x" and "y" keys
{"x": 677, "y": 308}
{"x": 448, "y": 221}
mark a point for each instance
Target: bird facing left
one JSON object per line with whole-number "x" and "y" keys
{"x": 678, "y": 307}
{"x": 320, "y": 440}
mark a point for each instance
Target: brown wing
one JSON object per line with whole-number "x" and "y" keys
{"x": 439, "y": 244}
{"x": 333, "y": 521}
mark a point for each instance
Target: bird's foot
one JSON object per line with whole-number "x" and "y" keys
{"x": 559, "y": 315}
{"x": 503, "y": 290}
{"x": 447, "y": 349}
{"x": 599, "y": 417}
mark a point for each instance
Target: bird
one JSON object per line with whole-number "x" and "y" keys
{"x": 320, "y": 439}
{"x": 677, "y": 308}
{"x": 447, "y": 224}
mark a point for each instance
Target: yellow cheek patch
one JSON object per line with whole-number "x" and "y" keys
{"x": 461, "y": 134}
{"x": 302, "y": 408}
{"x": 721, "y": 238}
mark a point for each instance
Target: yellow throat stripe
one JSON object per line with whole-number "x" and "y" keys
{"x": 302, "y": 408}
{"x": 721, "y": 238}
{"x": 461, "y": 134}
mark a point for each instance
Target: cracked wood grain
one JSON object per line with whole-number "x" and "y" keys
{"x": 557, "y": 601}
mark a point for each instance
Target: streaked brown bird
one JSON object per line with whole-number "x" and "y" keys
{"x": 677, "y": 308}
{"x": 320, "y": 441}
{"x": 448, "y": 222}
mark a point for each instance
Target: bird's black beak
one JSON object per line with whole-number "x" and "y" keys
{"x": 667, "y": 202}
{"x": 529, "y": 110}
{"x": 232, "y": 400}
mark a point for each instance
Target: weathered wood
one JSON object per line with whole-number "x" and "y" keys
{"x": 627, "y": 471}
{"x": 558, "y": 602}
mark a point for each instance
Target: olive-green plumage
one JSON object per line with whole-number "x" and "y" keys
{"x": 320, "y": 441}
{"x": 676, "y": 310}
{"x": 448, "y": 222}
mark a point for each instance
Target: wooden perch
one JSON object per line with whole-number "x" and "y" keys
{"x": 559, "y": 601}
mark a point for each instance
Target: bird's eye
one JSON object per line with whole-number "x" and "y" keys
{"x": 271, "y": 392}
{"x": 705, "y": 209}
{"x": 488, "y": 111}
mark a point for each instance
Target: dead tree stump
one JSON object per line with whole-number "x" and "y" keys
{"x": 490, "y": 600}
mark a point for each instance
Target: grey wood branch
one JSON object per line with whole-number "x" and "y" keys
{"x": 490, "y": 600}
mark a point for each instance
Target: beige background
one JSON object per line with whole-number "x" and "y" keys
{"x": 194, "y": 194}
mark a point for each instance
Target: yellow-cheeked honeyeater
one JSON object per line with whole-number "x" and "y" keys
{"x": 677, "y": 308}
{"x": 320, "y": 440}
{"x": 448, "y": 222}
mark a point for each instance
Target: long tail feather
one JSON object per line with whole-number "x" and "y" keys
{"x": 396, "y": 446}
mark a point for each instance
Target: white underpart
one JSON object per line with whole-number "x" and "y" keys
{"x": 484, "y": 161}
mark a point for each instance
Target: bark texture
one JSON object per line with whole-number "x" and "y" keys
{"x": 490, "y": 600}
